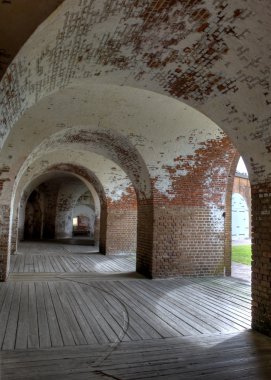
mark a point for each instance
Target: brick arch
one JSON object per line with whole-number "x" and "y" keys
{"x": 90, "y": 180}
{"x": 112, "y": 236}
{"x": 107, "y": 143}
{"x": 217, "y": 61}
{"x": 190, "y": 66}
{"x": 117, "y": 148}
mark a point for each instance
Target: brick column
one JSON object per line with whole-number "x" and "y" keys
{"x": 118, "y": 228}
{"x": 188, "y": 241}
{"x": 96, "y": 235}
{"x": 4, "y": 241}
{"x": 103, "y": 229}
{"x": 14, "y": 235}
{"x": 144, "y": 254}
{"x": 121, "y": 230}
{"x": 261, "y": 264}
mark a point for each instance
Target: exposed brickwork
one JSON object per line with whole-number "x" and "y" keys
{"x": 4, "y": 241}
{"x": 103, "y": 229}
{"x": 144, "y": 262}
{"x": 127, "y": 201}
{"x": 121, "y": 231}
{"x": 4, "y": 176}
{"x": 12, "y": 39}
{"x": 206, "y": 175}
{"x": 214, "y": 56}
{"x": 117, "y": 148}
{"x": 121, "y": 236}
{"x": 188, "y": 241}
{"x": 14, "y": 235}
{"x": 189, "y": 228}
{"x": 261, "y": 264}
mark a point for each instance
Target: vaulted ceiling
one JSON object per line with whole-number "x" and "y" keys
{"x": 169, "y": 78}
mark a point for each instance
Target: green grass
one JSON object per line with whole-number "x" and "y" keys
{"x": 241, "y": 254}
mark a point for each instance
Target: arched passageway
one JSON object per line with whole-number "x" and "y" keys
{"x": 241, "y": 224}
{"x": 148, "y": 102}
{"x": 61, "y": 197}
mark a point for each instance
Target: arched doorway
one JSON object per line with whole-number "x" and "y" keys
{"x": 241, "y": 224}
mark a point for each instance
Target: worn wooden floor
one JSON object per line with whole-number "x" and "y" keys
{"x": 39, "y": 314}
{"x": 99, "y": 323}
{"x": 245, "y": 355}
{"x": 61, "y": 258}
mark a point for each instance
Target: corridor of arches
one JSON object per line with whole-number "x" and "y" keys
{"x": 121, "y": 125}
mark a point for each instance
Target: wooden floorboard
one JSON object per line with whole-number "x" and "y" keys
{"x": 244, "y": 355}
{"x": 61, "y": 295}
{"x": 57, "y": 258}
{"x": 68, "y": 312}
{"x": 78, "y": 311}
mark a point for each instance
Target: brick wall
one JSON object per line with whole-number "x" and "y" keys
{"x": 14, "y": 234}
{"x": 4, "y": 241}
{"x": 188, "y": 241}
{"x": 189, "y": 226}
{"x": 121, "y": 229}
{"x": 144, "y": 258}
{"x": 103, "y": 229}
{"x": 261, "y": 264}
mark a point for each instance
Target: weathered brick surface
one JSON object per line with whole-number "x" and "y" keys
{"x": 188, "y": 241}
{"x": 14, "y": 235}
{"x": 212, "y": 55}
{"x": 261, "y": 264}
{"x": 144, "y": 261}
{"x": 121, "y": 231}
{"x": 103, "y": 229}
{"x": 4, "y": 241}
{"x": 121, "y": 236}
{"x": 191, "y": 235}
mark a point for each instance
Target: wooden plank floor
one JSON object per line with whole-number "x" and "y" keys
{"x": 41, "y": 257}
{"x": 242, "y": 355}
{"x": 70, "y": 313}
{"x": 77, "y": 312}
